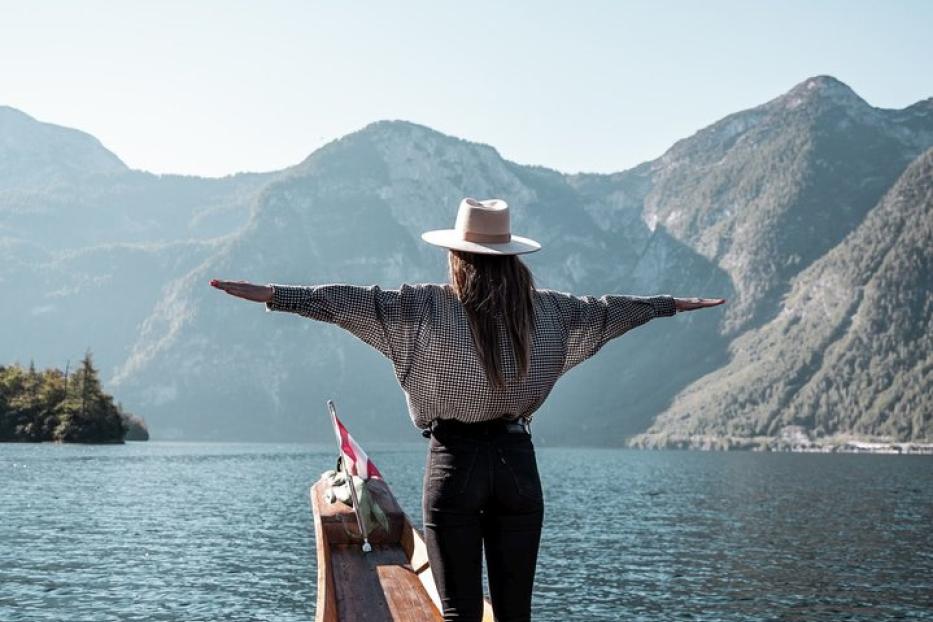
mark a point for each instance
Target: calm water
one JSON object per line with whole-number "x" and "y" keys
{"x": 163, "y": 531}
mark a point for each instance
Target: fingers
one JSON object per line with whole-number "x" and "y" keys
{"x": 702, "y": 303}
{"x": 235, "y": 288}
{"x": 225, "y": 284}
{"x": 244, "y": 289}
{"x": 690, "y": 304}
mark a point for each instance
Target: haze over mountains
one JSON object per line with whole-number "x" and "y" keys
{"x": 811, "y": 213}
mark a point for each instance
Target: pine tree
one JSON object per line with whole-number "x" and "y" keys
{"x": 90, "y": 384}
{"x": 32, "y": 380}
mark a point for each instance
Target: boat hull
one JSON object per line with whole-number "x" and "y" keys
{"x": 392, "y": 582}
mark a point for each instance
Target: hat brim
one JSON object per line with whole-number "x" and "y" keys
{"x": 450, "y": 238}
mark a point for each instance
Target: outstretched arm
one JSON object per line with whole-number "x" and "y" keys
{"x": 386, "y": 319}
{"x": 360, "y": 310}
{"x": 591, "y": 322}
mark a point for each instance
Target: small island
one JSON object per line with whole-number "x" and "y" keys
{"x": 52, "y": 406}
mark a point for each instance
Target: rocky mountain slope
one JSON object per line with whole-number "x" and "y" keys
{"x": 766, "y": 192}
{"x": 851, "y": 350}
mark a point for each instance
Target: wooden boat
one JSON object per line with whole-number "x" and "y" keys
{"x": 391, "y": 582}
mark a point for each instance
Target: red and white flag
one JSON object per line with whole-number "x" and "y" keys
{"x": 354, "y": 458}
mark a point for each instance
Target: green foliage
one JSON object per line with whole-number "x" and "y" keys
{"x": 50, "y": 406}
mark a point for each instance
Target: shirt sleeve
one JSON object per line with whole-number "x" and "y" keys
{"x": 386, "y": 319}
{"x": 591, "y": 322}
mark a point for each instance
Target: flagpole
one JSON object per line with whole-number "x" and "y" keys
{"x": 367, "y": 547}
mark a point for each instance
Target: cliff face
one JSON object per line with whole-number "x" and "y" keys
{"x": 767, "y": 191}
{"x": 782, "y": 209}
{"x": 851, "y": 347}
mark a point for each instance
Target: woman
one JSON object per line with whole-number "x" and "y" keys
{"x": 476, "y": 358}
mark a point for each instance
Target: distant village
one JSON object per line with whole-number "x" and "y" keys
{"x": 791, "y": 438}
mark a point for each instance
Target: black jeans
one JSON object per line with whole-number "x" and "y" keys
{"x": 482, "y": 492}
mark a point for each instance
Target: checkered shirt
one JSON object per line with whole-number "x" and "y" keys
{"x": 423, "y": 329}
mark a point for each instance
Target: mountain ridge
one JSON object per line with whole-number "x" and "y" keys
{"x": 769, "y": 384}
{"x": 22, "y": 155}
{"x": 739, "y": 209}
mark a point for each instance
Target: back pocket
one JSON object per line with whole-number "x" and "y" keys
{"x": 523, "y": 467}
{"x": 449, "y": 470}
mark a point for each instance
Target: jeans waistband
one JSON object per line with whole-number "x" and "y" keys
{"x": 501, "y": 425}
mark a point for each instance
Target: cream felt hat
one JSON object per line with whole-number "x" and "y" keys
{"x": 482, "y": 227}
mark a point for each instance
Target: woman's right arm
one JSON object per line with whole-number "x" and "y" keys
{"x": 386, "y": 319}
{"x": 591, "y": 322}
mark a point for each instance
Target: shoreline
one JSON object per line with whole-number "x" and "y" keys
{"x": 780, "y": 444}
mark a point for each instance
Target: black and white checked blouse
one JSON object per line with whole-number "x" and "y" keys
{"x": 423, "y": 329}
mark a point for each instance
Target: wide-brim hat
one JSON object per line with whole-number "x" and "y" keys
{"x": 482, "y": 227}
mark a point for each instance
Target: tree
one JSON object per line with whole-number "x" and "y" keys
{"x": 89, "y": 384}
{"x": 44, "y": 406}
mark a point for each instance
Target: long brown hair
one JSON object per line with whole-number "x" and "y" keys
{"x": 495, "y": 288}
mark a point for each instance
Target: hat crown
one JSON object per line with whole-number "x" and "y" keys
{"x": 484, "y": 221}
{"x": 482, "y": 227}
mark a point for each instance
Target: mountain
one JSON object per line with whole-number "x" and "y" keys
{"x": 87, "y": 244}
{"x": 58, "y": 304}
{"x": 35, "y": 154}
{"x": 60, "y": 188}
{"x": 766, "y": 192}
{"x": 767, "y": 207}
{"x": 353, "y": 212}
{"x": 851, "y": 350}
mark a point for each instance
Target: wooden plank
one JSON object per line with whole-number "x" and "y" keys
{"x": 378, "y": 586}
{"x": 405, "y": 595}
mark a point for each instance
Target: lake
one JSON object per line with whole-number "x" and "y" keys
{"x": 223, "y": 531}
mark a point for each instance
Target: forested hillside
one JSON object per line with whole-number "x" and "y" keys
{"x": 851, "y": 349}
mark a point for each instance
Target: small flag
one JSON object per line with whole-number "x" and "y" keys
{"x": 355, "y": 459}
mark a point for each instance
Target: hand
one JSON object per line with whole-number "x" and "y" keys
{"x": 689, "y": 304}
{"x": 244, "y": 289}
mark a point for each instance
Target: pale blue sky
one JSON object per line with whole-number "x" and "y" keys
{"x": 215, "y": 87}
